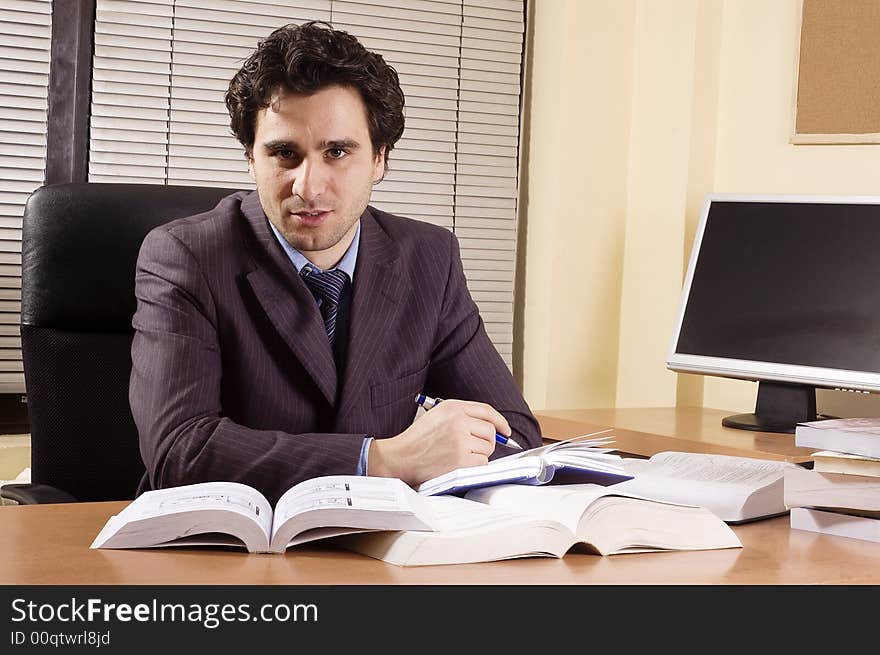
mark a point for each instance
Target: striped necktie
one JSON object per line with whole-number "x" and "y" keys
{"x": 326, "y": 287}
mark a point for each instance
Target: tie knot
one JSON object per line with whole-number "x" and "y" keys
{"x": 325, "y": 285}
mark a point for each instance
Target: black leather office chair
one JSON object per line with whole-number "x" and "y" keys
{"x": 79, "y": 248}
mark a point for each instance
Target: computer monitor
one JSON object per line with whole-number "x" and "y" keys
{"x": 785, "y": 290}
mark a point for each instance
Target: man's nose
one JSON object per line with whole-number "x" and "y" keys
{"x": 309, "y": 180}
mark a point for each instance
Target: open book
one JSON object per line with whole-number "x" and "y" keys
{"x": 576, "y": 460}
{"x": 402, "y": 527}
{"x": 233, "y": 514}
{"x": 512, "y": 520}
{"x": 736, "y": 489}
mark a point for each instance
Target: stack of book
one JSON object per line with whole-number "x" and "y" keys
{"x": 841, "y": 494}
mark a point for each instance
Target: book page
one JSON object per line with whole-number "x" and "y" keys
{"x": 587, "y": 458}
{"x": 588, "y": 452}
{"x": 339, "y": 504}
{"x": 868, "y": 425}
{"x": 530, "y": 470}
{"x": 343, "y": 492}
{"x": 191, "y": 514}
{"x": 829, "y": 461}
{"x": 832, "y": 454}
{"x": 516, "y": 520}
{"x": 227, "y": 496}
{"x": 453, "y": 514}
{"x": 565, "y": 503}
{"x": 805, "y": 488}
{"x": 722, "y": 483}
{"x": 466, "y": 532}
{"x": 590, "y": 442}
{"x": 703, "y": 467}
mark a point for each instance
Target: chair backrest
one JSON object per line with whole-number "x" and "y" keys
{"x": 80, "y": 244}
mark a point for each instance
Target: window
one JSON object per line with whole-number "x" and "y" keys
{"x": 161, "y": 68}
{"x": 25, "y": 31}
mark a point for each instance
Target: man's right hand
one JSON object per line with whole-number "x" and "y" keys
{"x": 454, "y": 434}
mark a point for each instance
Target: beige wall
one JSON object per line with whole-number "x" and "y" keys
{"x": 636, "y": 109}
{"x": 580, "y": 96}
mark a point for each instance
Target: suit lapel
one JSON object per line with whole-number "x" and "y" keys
{"x": 374, "y": 308}
{"x": 288, "y": 303}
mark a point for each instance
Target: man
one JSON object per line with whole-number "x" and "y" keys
{"x": 285, "y": 333}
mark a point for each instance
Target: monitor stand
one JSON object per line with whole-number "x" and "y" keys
{"x": 779, "y": 408}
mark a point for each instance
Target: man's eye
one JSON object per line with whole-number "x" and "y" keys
{"x": 336, "y": 153}
{"x": 284, "y": 153}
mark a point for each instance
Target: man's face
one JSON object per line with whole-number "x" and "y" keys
{"x": 314, "y": 167}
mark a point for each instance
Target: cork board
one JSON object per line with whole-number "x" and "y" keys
{"x": 838, "y": 73}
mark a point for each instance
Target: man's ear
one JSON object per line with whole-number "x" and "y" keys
{"x": 379, "y": 166}
{"x": 250, "y": 160}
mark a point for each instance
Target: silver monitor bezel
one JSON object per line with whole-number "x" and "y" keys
{"x": 755, "y": 370}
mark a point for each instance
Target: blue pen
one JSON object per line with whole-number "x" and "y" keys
{"x": 429, "y": 403}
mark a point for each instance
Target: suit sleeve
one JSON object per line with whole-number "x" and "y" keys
{"x": 466, "y": 365}
{"x": 175, "y": 391}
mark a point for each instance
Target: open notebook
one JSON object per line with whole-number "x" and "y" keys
{"x": 583, "y": 459}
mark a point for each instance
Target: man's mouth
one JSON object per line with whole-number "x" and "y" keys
{"x": 313, "y": 217}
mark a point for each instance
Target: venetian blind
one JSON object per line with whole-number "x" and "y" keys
{"x": 131, "y": 74}
{"x": 488, "y": 159}
{"x": 458, "y": 62}
{"x": 25, "y": 33}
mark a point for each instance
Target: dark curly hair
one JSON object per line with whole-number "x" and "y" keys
{"x": 305, "y": 59}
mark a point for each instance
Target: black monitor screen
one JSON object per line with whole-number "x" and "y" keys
{"x": 788, "y": 283}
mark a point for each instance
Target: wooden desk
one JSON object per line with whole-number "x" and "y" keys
{"x": 49, "y": 544}
{"x": 645, "y": 431}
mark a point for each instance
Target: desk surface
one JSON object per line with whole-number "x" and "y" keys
{"x": 645, "y": 431}
{"x": 48, "y": 544}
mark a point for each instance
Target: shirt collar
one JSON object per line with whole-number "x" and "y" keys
{"x": 346, "y": 264}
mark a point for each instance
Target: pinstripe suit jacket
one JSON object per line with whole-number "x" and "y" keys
{"x": 233, "y": 376}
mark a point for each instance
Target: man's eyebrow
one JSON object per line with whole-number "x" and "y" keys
{"x": 279, "y": 144}
{"x": 342, "y": 144}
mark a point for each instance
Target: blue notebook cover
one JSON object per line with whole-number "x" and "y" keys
{"x": 463, "y": 480}
{"x": 573, "y": 475}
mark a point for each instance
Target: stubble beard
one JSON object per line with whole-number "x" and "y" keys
{"x": 317, "y": 239}
{"x": 313, "y": 239}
